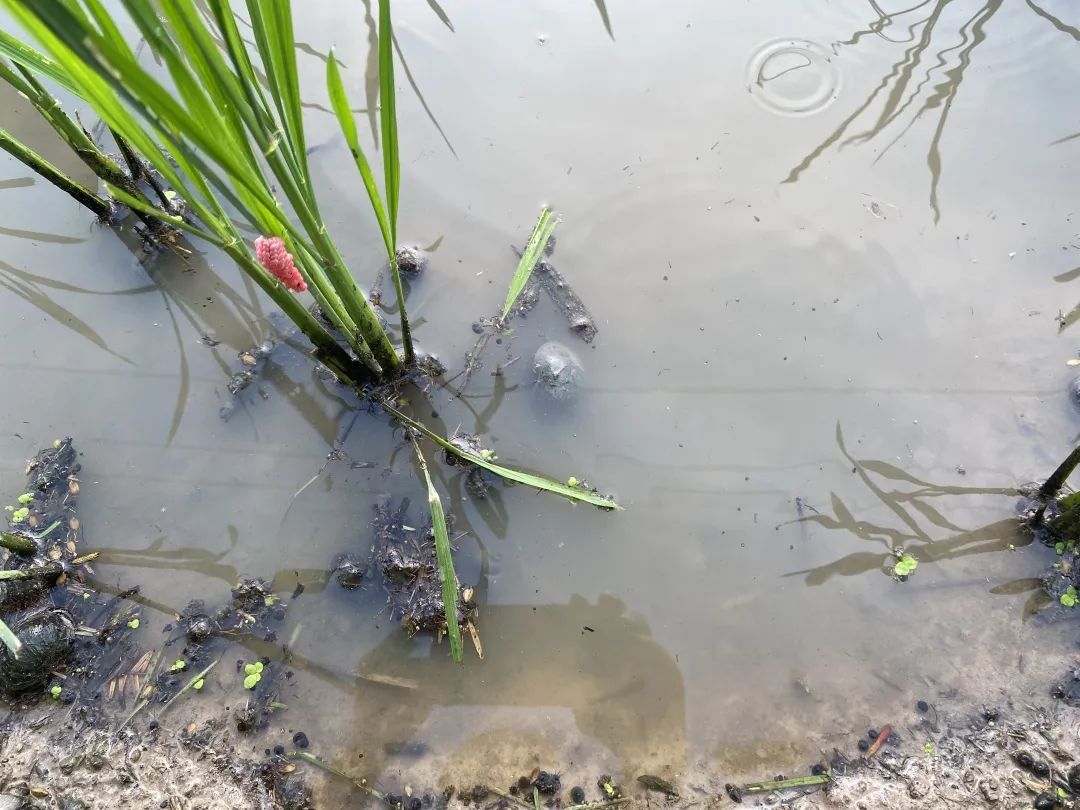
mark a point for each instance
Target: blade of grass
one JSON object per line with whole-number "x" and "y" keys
{"x": 546, "y": 484}
{"x": 445, "y": 560}
{"x": 391, "y": 161}
{"x": 340, "y": 102}
{"x": 388, "y": 116}
{"x": 24, "y": 55}
{"x": 533, "y": 250}
{"x": 11, "y": 641}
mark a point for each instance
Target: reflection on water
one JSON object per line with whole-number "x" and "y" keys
{"x": 912, "y": 507}
{"x": 901, "y": 89}
{"x": 739, "y": 326}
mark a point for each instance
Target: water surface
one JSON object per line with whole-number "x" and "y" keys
{"x": 827, "y": 252}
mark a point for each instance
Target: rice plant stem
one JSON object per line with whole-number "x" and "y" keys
{"x": 75, "y": 136}
{"x": 141, "y": 171}
{"x": 335, "y": 357}
{"x": 1057, "y": 479}
{"x": 72, "y": 134}
{"x": 361, "y": 310}
{"x": 406, "y": 330}
{"x": 28, "y": 156}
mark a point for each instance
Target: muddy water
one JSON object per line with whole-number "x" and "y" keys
{"x": 826, "y": 251}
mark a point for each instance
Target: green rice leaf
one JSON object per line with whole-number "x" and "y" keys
{"x": 533, "y": 250}
{"x": 388, "y": 116}
{"x": 574, "y": 493}
{"x": 340, "y": 102}
{"x": 35, "y": 60}
{"x": 446, "y": 562}
{"x": 11, "y": 641}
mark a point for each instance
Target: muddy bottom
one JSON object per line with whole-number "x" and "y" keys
{"x": 1018, "y": 752}
{"x": 55, "y": 758}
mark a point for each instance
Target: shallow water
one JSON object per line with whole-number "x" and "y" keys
{"x": 826, "y": 252}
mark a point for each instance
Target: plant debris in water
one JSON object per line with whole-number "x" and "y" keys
{"x": 404, "y": 557}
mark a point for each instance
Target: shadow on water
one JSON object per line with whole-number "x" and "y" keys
{"x": 917, "y": 520}
{"x": 598, "y": 660}
{"x": 906, "y": 84}
{"x": 601, "y": 6}
{"x": 441, "y": 14}
{"x": 31, "y": 287}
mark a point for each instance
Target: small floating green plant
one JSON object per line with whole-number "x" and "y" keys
{"x": 252, "y": 674}
{"x": 904, "y": 566}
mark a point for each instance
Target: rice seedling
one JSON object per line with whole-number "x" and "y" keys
{"x": 218, "y": 132}
{"x": 224, "y": 131}
{"x": 23, "y": 80}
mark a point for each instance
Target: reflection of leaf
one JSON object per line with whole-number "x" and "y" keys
{"x": 38, "y": 236}
{"x": 442, "y": 15}
{"x": 65, "y": 317}
{"x": 1054, "y": 21}
{"x": 1016, "y": 586}
{"x": 1036, "y": 602}
{"x": 185, "y": 375}
{"x": 895, "y": 85}
{"x": 882, "y": 496}
{"x": 843, "y": 514}
{"x": 420, "y": 97}
{"x": 601, "y": 6}
{"x": 1068, "y": 275}
{"x": 934, "y": 516}
{"x": 891, "y": 471}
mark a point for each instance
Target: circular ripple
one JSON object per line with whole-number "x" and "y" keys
{"x": 793, "y": 77}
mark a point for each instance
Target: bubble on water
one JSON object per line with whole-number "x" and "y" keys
{"x": 793, "y": 77}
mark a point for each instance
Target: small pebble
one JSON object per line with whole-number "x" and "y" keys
{"x": 279, "y": 750}
{"x": 864, "y": 745}
{"x": 300, "y": 739}
{"x": 577, "y": 795}
{"x": 923, "y": 706}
